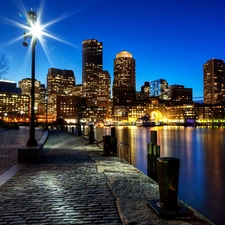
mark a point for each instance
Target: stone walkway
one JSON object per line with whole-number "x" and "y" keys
{"x": 74, "y": 184}
{"x": 10, "y": 141}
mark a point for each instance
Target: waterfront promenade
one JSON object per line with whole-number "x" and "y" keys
{"x": 74, "y": 184}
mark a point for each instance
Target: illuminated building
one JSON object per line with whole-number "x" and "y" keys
{"x": 91, "y": 66}
{"x": 214, "y": 81}
{"x": 14, "y": 107}
{"x": 59, "y": 83}
{"x": 70, "y": 108}
{"x": 25, "y": 85}
{"x": 77, "y": 90}
{"x": 159, "y": 88}
{"x": 180, "y": 94}
{"x": 103, "y": 91}
{"x": 124, "y": 84}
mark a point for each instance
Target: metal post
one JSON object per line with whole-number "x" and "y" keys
{"x": 32, "y": 141}
{"x": 154, "y": 137}
{"x": 168, "y": 207}
{"x": 153, "y": 154}
{"x": 113, "y": 148}
{"x": 168, "y": 177}
{"x": 91, "y": 134}
{"x": 106, "y": 145}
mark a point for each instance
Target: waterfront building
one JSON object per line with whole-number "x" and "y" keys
{"x": 136, "y": 110}
{"x": 91, "y": 67}
{"x": 159, "y": 88}
{"x": 59, "y": 83}
{"x": 25, "y": 85}
{"x": 180, "y": 94}
{"x": 124, "y": 84}
{"x": 156, "y": 110}
{"x": 14, "y": 107}
{"x": 176, "y": 114}
{"x": 70, "y": 108}
{"x": 93, "y": 114}
{"x": 214, "y": 81}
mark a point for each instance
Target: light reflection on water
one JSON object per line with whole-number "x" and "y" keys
{"x": 201, "y": 152}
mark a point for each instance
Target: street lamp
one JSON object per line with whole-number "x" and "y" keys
{"x": 31, "y": 19}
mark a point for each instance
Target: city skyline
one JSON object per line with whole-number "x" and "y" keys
{"x": 169, "y": 40}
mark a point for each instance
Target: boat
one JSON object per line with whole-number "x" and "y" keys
{"x": 145, "y": 121}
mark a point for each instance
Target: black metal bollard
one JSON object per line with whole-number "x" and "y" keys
{"x": 168, "y": 207}
{"x": 106, "y": 145}
{"x": 72, "y": 130}
{"x": 66, "y": 129}
{"x": 168, "y": 178}
{"x": 113, "y": 147}
{"x": 91, "y": 134}
{"x": 153, "y": 137}
{"x": 153, "y": 154}
{"x": 79, "y": 131}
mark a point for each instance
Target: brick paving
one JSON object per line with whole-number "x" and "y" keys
{"x": 10, "y": 141}
{"x": 65, "y": 188}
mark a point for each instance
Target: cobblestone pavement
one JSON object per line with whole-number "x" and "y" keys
{"x": 65, "y": 188}
{"x": 10, "y": 141}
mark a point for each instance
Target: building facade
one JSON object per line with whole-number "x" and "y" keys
{"x": 214, "y": 81}
{"x": 25, "y": 85}
{"x": 159, "y": 88}
{"x": 14, "y": 107}
{"x": 91, "y": 66}
{"x": 59, "y": 83}
{"x": 124, "y": 83}
{"x": 180, "y": 94}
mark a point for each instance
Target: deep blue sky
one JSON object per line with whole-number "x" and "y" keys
{"x": 168, "y": 39}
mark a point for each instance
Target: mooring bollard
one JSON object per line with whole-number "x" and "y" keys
{"x": 168, "y": 179}
{"x": 153, "y": 137}
{"x": 72, "y": 130}
{"x": 113, "y": 147}
{"x": 167, "y": 206}
{"x": 106, "y": 145}
{"x": 153, "y": 154}
{"x": 91, "y": 134}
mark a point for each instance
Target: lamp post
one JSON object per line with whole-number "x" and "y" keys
{"x": 31, "y": 17}
{"x": 46, "y": 118}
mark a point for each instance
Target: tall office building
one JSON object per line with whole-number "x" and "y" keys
{"x": 124, "y": 83}
{"x": 59, "y": 83}
{"x": 214, "y": 81}
{"x": 159, "y": 88}
{"x": 180, "y": 94}
{"x": 91, "y": 66}
{"x": 25, "y": 85}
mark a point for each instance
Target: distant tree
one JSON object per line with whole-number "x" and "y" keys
{"x": 4, "y": 66}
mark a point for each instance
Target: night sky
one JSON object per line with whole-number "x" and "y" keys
{"x": 168, "y": 39}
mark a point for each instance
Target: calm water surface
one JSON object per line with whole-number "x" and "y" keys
{"x": 201, "y": 152}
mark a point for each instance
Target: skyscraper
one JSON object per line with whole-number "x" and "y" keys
{"x": 124, "y": 84}
{"x": 159, "y": 88}
{"x": 91, "y": 66}
{"x": 214, "y": 81}
{"x": 59, "y": 83}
